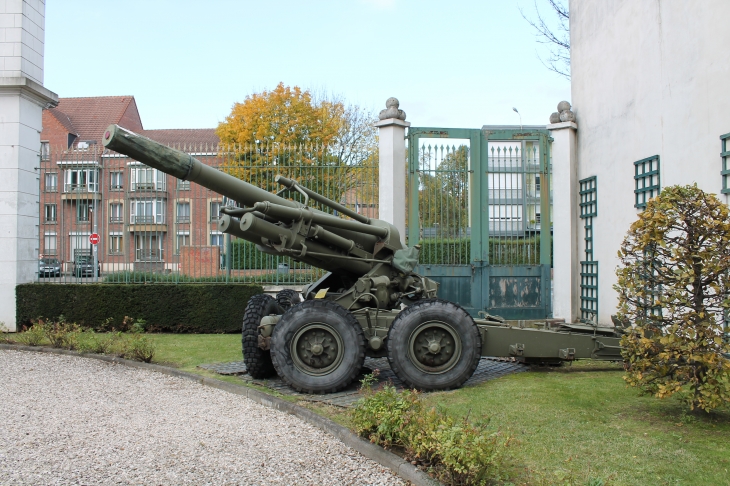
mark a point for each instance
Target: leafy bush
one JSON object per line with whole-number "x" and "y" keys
{"x": 673, "y": 285}
{"x": 139, "y": 348}
{"x": 456, "y": 451}
{"x": 61, "y": 334}
{"x": 31, "y": 336}
{"x": 190, "y": 308}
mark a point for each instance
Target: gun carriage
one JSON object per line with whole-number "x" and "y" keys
{"x": 369, "y": 303}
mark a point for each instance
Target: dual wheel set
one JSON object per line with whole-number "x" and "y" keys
{"x": 319, "y": 347}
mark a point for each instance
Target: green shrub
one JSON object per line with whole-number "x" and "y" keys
{"x": 139, "y": 348}
{"x": 101, "y": 343}
{"x": 61, "y": 334}
{"x": 31, "y": 336}
{"x": 190, "y": 308}
{"x": 456, "y": 451}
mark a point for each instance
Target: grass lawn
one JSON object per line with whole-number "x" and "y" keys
{"x": 186, "y": 351}
{"x": 572, "y": 424}
{"x": 582, "y": 424}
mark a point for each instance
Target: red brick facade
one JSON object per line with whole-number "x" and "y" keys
{"x": 140, "y": 214}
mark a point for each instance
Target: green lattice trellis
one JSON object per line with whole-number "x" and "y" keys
{"x": 725, "y": 155}
{"x": 646, "y": 180}
{"x": 588, "y": 267}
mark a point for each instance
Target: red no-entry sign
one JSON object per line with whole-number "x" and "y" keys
{"x": 94, "y": 238}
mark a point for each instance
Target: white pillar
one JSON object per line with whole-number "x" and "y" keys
{"x": 566, "y": 210}
{"x": 22, "y": 100}
{"x": 392, "y": 166}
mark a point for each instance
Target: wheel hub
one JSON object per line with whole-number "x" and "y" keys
{"x": 316, "y": 349}
{"x": 434, "y": 347}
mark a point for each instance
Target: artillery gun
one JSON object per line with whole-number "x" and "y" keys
{"x": 369, "y": 303}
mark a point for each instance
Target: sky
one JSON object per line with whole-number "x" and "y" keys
{"x": 459, "y": 64}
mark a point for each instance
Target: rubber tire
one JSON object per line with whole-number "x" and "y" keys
{"x": 399, "y": 355}
{"x": 258, "y": 361}
{"x": 343, "y": 322}
{"x": 288, "y": 298}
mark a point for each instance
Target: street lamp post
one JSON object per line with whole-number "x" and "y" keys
{"x": 518, "y": 113}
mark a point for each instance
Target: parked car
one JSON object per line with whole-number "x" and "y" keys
{"x": 84, "y": 267}
{"x": 49, "y": 267}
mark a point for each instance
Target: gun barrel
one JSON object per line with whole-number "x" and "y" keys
{"x": 186, "y": 167}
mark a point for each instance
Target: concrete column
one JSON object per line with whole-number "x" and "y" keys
{"x": 22, "y": 100}
{"x": 566, "y": 210}
{"x": 392, "y": 166}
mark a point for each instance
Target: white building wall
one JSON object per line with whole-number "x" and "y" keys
{"x": 22, "y": 23}
{"x": 22, "y": 99}
{"x": 648, "y": 78}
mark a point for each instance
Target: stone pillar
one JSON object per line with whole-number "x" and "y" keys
{"x": 566, "y": 210}
{"x": 22, "y": 100}
{"x": 392, "y": 166}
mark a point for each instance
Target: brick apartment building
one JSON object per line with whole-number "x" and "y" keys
{"x": 144, "y": 217}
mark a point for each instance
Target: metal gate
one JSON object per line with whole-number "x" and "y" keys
{"x": 479, "y": 204}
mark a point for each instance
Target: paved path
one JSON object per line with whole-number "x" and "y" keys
{"x": 488, "y": 369}
{"x": 70, "y": 420}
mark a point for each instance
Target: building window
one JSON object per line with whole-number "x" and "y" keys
{"x": 183, "y": 212}
{"x": 45, "y": 150}
{"x": 116, "y": 181}
{"x": 49, "y": 244}
{"x": 116, "y": 213}
{"x": 149, "y": 248}
{"x": 147, "y": 179}
{"x": 588, "y": 192}
{"x": 51, "y": 181}
{"x": 725, "y": 155}
{"x": 150, "y": 211}
{"x": 183, "y": 239}
{"x": 82, "y": 211}
{"x": 216, "y": 239}
{"x": 215, "y": 210}
{"x": 116, "y": 244}
{"x": 646, "y": 180}
{"x": 82, "y": 180}
{"x": 183, "y": 185}
{"x": 50, "y": 213}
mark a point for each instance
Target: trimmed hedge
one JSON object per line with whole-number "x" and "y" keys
{"x": 189, "y": 308}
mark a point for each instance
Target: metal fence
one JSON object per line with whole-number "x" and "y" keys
{"x": 513, "y": 202}
{"x": 153, "y": 227}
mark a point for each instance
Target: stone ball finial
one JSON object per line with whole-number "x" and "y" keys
{"x": 563, "y": 114}
{"x": 392, "y": 110}
{"x": 567, "y": 116}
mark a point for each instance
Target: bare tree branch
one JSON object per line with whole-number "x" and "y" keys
{"x": 557, "y": 39}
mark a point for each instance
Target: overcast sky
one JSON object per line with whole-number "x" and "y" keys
{"x": 461, "y": 64}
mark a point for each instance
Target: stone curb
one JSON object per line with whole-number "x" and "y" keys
{"x": 404, "y": 469}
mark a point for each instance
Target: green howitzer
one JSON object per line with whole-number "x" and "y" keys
{"x": 370, "y": 303}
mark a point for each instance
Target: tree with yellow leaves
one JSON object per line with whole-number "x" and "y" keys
{"x": 288, "y": 131}
{"x": 673, "y": 285}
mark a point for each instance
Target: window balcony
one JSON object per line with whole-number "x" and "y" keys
{"x": 146, "y": 255}
{"x": 116, "y": 219}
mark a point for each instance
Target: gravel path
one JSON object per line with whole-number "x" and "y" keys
{"x": 69, "y": 420}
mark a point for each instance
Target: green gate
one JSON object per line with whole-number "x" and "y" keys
{"x": 479, "y": 205}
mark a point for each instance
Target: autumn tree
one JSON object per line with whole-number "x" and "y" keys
{"x": 316, "y": 140}
{"x": 673, "y": 286}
